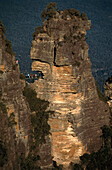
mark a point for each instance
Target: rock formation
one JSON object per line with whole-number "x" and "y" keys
{"x": 16, "y": 125}
{"x": 60, "y": 52}
{"x": 14, "y": 110}
{"x": 108, "y": 91}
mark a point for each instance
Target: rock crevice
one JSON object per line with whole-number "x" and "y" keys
{"x": 69, "y": 86}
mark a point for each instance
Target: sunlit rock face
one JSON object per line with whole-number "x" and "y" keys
{"x": 61, "y": 54}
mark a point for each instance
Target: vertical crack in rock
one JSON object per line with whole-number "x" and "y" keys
{"x": 54, "y": 56}
{"x": 70, "y": 88}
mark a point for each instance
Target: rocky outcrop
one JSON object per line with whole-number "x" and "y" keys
{"x": 15, "y": 123}
{"x": 108, "y": 91}
{"x": 61, "y": 54}
{"x": 19, "y": 148}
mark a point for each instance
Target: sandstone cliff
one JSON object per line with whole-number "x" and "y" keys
{"x": 60, "y": 52}
{"x": 14, "y": 110}
{"x": 24, "y": 140}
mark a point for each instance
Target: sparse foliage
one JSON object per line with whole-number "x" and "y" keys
{"x": 3, "y": 154}
{"x": 8, "y": 46}
{"x": 39, "y": 119}
{"x": 22, "y": 77}
{"x": 11, "y": 120}
{"x": 37, "y": 31}
{"x": 102, "y": 159}
{"x": 40, "y": 127}
{"x": 49, "y": 12}
{"x": 2, "y": 27}
{"x": 3, "y": 107}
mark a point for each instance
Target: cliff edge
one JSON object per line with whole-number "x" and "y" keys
{"x": 15, "y": 123}
{"x": 60, "y": 52}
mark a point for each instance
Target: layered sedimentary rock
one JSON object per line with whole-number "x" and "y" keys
{"x": 15, "y": 117}
{"x": 14, "y": 110}
{"x": 61, "y": 54}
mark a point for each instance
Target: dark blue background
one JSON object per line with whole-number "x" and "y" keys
{"x": 20, "y": 18}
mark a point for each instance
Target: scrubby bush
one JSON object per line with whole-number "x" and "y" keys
{"x": 73, "y": 11}
{"x": 22, "y": 77}
{"x": 3, "y": 154}
{"x": 3, "y": 107}
{"x": 2, "y": 27}
{"x": 11, "y": 120}
{"x": 40, "y": 127}
{"x": 39, "y": 119}
{"x": 14, "y": 66}
{"x": 70, "y": 12}
{"x": 102, "y": 159}
{"x": 37, "y": 31}
{"x": 8, "y": 46}
{"x": 34, "y": 103}
{"x": 49, "y": 12}
{"x": 29, "y": 163}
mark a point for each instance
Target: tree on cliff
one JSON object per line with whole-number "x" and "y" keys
{"x": 49, "y": 11}
{"x": 2, "y": 27}
{"x": 3, "y": 154}
{"x": 102, "y": 159}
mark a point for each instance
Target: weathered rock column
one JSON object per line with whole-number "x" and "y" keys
{"x": 61, "y": 54}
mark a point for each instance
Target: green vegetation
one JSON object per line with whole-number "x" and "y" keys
{"x": 11, "y": 120}
{"x": 2, "y": 27}
{"x": 102, "y": 159}
{"x": 51, "y": 9}
{"x": 14, "y": 66}
{"x": 29, "y": 163}
{"x": 109, "y": 80}
{"x": 3, "y": 107}
{"x": 70, "y": 12}
{"x": 34, "y": 103}
{"x": 37, "y": 31}
{"x": 40, "y": 118}
{"x": 73, "y": 12}
{"x": 3, "y": 154}
{"x": 49, "y": 12}
{"x": 40, "y": 126}
{"x": 22, "y": 77}
{"x": 7, "y": 42}
{"x": 8, "y": 47}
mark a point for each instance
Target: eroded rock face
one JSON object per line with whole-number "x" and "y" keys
{"x": 70, "y": 88}
{"x": 15, "y": 123}
{"x": 108, "y": 91}
{"x": 15, "y": 116}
